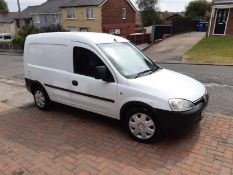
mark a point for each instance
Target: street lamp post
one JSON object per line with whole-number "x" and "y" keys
{"x": 20, "y": 15}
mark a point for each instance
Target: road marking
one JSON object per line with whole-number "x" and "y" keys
{"x": 218, "y": 85}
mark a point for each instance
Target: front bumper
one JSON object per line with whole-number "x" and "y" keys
{"x": 178, "y": 121}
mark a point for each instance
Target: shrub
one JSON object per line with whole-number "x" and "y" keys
{"x": 21, "y": 36}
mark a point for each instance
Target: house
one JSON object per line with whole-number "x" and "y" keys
{"x": 168, "y": 17}
{"x": 221, "y": 20}
{"x": 10, "y": 22}
{"x": 109, "y": 16}
{"x": 47, "y": 16}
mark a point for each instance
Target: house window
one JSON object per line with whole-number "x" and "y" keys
{"x": 115, "y": 31}
{"x": 83, "y": 29}
{"x": 72, "y": 29}
{"x": 27, "y": 22}
{"x": 70, "y": 13}
{"x": 90, "y": 14}
{"x": 54, "y": 19}
{"x": 45, "y": 19}
{"x": 36, "y": 19}
{"x": 124, "y": 12}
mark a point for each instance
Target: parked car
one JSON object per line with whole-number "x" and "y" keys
{"x": 5, "y": 37}
{"x": 106, "y": 74}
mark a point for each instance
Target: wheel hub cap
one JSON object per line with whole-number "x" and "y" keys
{"x": 142, "y": 126}
{"x": 39, "y": 98}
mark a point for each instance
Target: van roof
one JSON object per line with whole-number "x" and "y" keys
{"x": 64, "y": 37}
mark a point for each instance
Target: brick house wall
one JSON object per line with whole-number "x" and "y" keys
{"x": 80, "y": 21}
{"x": 229, "y": 29}
{"x": 112, "y": 17}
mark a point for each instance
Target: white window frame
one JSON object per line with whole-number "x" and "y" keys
{"x": 70, "y": 10}
{"x": 84, "y": 29}
{"x": 36, "y": 19}
{"x": 115, "y": 31}
{"x": 124, "y": 13}
{"x": 90, "y": 13}
{"x": 72, "y": 29}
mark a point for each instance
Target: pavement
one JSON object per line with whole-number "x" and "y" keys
{"x": 143, "y": 46}
{"x": 14, "y": 94}
{"x": 173, "y": 49}
{"x": 70, "y": 141}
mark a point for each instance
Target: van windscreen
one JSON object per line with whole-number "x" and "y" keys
{"x": 128, "y": 60}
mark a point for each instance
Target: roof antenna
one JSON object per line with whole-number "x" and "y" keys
{"x": 115, "y": 40}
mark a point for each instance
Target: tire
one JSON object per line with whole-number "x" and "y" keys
{"x": 41, "y": 99}
{"x": 142, "y": 125}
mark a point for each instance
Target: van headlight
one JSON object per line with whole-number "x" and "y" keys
{"x": 181, "y": 105}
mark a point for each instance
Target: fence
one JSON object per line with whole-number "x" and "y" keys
{"x": 139, "y": 38}
{"x": 179, "y": 25}
{"x": 161, "y": 30}
{"x": 183, "y": 25}
{"x": 8, "y": 46}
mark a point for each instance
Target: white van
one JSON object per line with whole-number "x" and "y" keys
{"x": 106, "y": 74}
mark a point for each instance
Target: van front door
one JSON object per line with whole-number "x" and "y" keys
{"x": 86, "y": 91}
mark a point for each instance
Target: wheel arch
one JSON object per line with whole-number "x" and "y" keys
{"x": 132, "y": 104}
{"x": 36, "y": 84}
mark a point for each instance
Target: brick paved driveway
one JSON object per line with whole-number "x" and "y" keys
{"x": 69, "y": 141}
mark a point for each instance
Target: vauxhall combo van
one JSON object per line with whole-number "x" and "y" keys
{"x": 108, "y": 75}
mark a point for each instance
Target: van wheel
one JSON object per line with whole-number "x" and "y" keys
{"x": 142, "y": 125}
{"x": 41, "y": 99}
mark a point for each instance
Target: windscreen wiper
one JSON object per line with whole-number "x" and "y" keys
{"x": 142, "y": 73}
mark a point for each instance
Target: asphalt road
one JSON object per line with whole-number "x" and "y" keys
{"x": 11, "y": 65}
{"x": 218, "y": 80}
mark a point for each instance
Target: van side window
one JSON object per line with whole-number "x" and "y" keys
{"x": 85, "y": 62}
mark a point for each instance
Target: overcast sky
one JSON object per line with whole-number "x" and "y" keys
{"x": 170, "y": 5}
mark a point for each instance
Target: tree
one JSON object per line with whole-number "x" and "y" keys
{"x": 21, "y": 36}
{"x": 149, "y": 12}
{"x": 198, "y": 9}
{"x": 3, "y": 6}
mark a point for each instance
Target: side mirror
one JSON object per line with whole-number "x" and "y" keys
{"x": 101, "y": 73}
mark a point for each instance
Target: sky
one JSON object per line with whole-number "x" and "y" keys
{"x": 169, "y": 5}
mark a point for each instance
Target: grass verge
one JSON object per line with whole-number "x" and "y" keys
{"x": 213, "y": 50}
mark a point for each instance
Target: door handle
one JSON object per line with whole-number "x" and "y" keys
{"x": 75, "y": 83}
